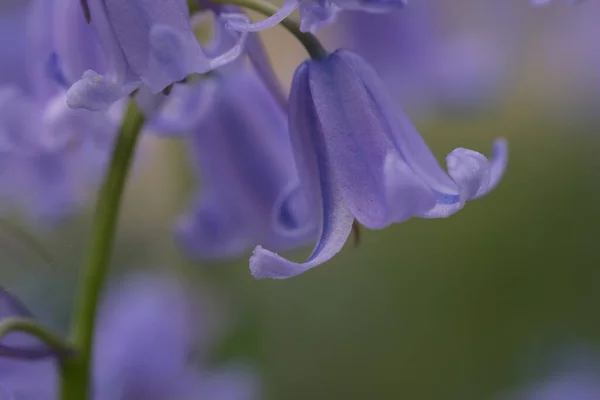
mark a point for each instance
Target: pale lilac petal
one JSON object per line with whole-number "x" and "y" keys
{"x": 76, "y": 46}
{"x": 156, "y": 39}
{"x": 146, "y": 329}
{"x": 286, "y": 9}
{"x": 360, "y": 150}
{"x": 498, "y": 164}
{"x": 96, "y": 92}
{"x": 212, "y": 229}
{"x": 250, "y": 184}
{"x": 324, "y": 196}
{"x": 408, "y": 195}
{"x": 238, "y": 47}
{"x": 316, "y": 14}
{"x": 470, "y": 170}
{"x": 409, "y": 143}
{"x": 225, "y": 383}
{"x": 184, "y": 109}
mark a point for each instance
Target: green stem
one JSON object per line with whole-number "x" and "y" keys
{"x": 46, "y": 336}
{"x": 77, "y": 372}
{"x": 310, "y": 42}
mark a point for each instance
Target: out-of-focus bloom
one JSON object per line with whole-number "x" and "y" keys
{"x": 49, "y": 152}
{"x": 359, "y": 157}
{"x": 237, "y": 133}
{"x": 146, "y": 333}
{"x": 315, "y": 14}
{"x": 12, "y": 41}
{"x": 147, "y": 42}
{"x": 430, "y": 54}
{"x": 570, "y": 43}
{"x": 578, "y": 380}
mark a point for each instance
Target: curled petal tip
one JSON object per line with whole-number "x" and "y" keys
{"x": 94, "y": 92}
{"x": 470, "y": 170}
{"x": 245, "y": 26}
{"x": 498, "y": 163}
{"x": 266, "y": 264}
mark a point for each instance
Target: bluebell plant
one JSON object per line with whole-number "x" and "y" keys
{"x": 276, "y": 172}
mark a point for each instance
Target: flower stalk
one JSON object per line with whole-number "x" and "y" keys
{"x": 77, "y": 372}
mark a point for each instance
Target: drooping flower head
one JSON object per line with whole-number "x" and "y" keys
{"x": 50, "y": 153}
{"x": 236, "y": 129}
{"x": 359, "y": 157}
{"x": 148, "y": 42}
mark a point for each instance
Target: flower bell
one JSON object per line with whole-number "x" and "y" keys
{"x": 48, "y": 151}
{"x": 147, "y": 42}
{"x": 237, "y": 133}
{"x": 359, "y": 157}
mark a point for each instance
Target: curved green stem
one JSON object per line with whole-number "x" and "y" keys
{"x": 76, "y": 372}
{"x": 46, "y": 336}
{"x": 310, "y": 42}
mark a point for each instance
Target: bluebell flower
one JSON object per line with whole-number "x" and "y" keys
{"x": 146, "y": 332}
{"x": 359, "y": 157}
{"x": 237, "y": 134}
{"x": 314, "y": 14}
{"x": 431, "y": 57}
{"x": 577, "y": 378}
{"x": 48, "y": 152}
{"x": 147, "y": 42}
{"x": 12, "y": 41}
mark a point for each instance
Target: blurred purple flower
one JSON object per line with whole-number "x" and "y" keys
{"x": 578, "y": 380}
{"x": 146, "y": 332}
{"x": 431, "y": 55}
{"x": 146, "y": 42}
{"x": 49, "y": 152}
{"x": 237, "y": 134}
{"x": 359, "y": 157}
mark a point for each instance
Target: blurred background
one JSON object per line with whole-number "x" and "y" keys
{"x": 470, "y": 307}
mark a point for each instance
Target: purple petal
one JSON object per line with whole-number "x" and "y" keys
{"x": 184, "y": 109}
{"x": 250, "y": 182}
{"x": 285, "y": 11}
{"x": 144, "y": 338}
{"x": 74, "y": 41}
{"x": 323, "y": 194}
{"x": 497, "y": 166}
{"x": 232, "y": 383}
{"x": 409, "y": 143}
{"x": 212, "y": 230}
{"x": 365, "y": 162}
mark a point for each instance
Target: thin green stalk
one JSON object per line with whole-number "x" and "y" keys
{"x": 77, "y": 371}
{"x": 310, "y": 42}
{"x": 46, "y": 336}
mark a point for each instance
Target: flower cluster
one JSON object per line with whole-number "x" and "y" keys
{"x": 276, "y": 172}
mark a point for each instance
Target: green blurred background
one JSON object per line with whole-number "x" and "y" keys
{"x": 462, "y": 308}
